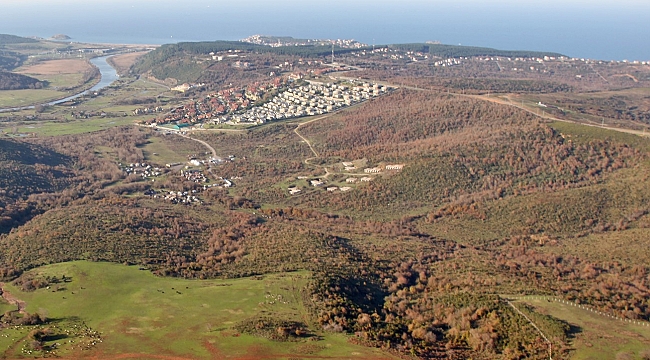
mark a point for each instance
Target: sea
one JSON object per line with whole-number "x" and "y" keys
{"x": 596, "y": 29}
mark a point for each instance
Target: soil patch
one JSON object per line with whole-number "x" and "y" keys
{"x": 123, "y": 62}
{"x": 54, "y": 67}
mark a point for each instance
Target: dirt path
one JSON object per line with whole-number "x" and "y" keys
{"x": 212, "y": 150}
{"x": 12, "y": 299}
{"x": 208, "y": 146}
{"x": 305, "y": 139}
{"x": 549, "y": 117}
{"x": 327, "y": 172}
{"x": 510, "y": 103}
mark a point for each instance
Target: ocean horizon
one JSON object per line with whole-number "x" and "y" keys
{"x": 573, "y": 28}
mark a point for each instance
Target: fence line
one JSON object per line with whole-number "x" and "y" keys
{"x": 584, "y": 307}
{"x": 550, "y": 344}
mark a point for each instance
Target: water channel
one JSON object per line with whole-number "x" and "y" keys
{"x": 108, "y": 76}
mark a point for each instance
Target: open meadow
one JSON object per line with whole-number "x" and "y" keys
{"x": 50, "y": 128}
{"x": 139, "y": 315}
{"x": 53, "y": 67}
{"x": 596, "y": 336}
{"x": 27, "y": 97}
{"x": 64, "y": 73}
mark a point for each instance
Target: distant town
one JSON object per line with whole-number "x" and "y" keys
{"x": 277, "y": 41}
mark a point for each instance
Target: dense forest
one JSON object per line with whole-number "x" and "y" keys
{"x": 11, "y": 81}
{"x": 452, "y": 51}
{"x": 10, "y": 61}
{"x": 6, "y": 39}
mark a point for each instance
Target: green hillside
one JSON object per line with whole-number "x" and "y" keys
{"x": 6, "y": 39}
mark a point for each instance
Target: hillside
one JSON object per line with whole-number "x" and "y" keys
{"x": 187, "y": 62}
{"x": 452, "y": 51}
{"x": 416, "y": 258}
{"x": 426, "y": 218}
{"x": 27, "y": 169}
{"x": 11, "y": 81}
{"x": 10, "y": 61}
{"x": 6, "y": 39}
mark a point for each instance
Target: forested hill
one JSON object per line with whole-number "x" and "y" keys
{"x": 451, "y": 51}
{"x": 10, "y": 60}
{"x": 170, "y": 52}
{"x": 13, "y": 39}
{"x": 11, "y": 81}
{"x": 27, "y": 169}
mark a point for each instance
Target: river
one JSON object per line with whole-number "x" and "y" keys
{"x": 108, "y": 76}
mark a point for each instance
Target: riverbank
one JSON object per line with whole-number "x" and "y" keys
{"x": 107, "y": 75}
{"x": 123, "y": 62}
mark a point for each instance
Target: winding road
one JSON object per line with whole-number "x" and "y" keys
{"x": 212, "y": 150}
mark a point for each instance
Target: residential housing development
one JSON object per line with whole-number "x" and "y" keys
{"x": 252, "y": 105}
{"x": 312, "y": 99}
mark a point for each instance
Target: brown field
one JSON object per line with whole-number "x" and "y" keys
{"x": 54, "y": 67}
{"x": 123, "y": 62}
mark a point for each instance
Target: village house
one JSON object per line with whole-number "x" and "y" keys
{"x": 351, "y": 180}
{"x": 317, "y": 182}
{"x": 366, "y": 179}
{"x": 394, "y": 167}
{"x": 371, "y": 170}
{"x": 181, "y": 88}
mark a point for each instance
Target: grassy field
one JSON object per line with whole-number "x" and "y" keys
{"x": 52, "y": 67}
{"x": 156, "y": 150}
{"x": 74, "y": 127}
{"x": 4, "y": 306}
{"x": 145, "y": 316}
{"x": 18, "y": 98}
{"x": 620, "y": 245}
{"x": 584, "y": 134}
{"x": 597, "y": 336}
{"x": 59, "y": 73}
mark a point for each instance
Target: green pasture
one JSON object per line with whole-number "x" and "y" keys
{"x": 61, "y": 80}
{"x": 50, "y": 128}
{"x": 18, "y": 98}
{"x": 141, "y": 314}
{"x": 158, "y": 151}
{"x": 597, "y": 336}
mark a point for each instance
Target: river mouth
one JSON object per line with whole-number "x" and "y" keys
{"x": 108, "y": 76}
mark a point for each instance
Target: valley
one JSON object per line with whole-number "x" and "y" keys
{"x": 456, "y": 209}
